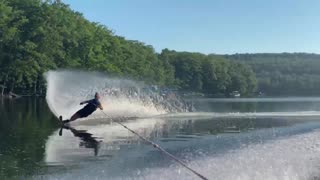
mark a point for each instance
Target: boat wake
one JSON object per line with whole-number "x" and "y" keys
{"x": 294, "y": 158}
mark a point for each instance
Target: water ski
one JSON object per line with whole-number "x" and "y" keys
{"x": 64, "y": 124}
{"x": 60, "y": 119}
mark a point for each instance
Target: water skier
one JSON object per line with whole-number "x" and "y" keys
{"x": 92, "y": 105}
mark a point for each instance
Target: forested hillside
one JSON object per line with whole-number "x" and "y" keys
{"x": 209, "y": 74}
{"x": 37, "y": 35}
{"x": 284, "y": 74}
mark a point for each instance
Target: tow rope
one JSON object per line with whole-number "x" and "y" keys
{"x": 162, "y": 150}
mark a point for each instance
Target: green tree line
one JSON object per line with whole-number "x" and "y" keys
{"x": 209, "y": 74}
{"x": 37, "y": 36}
{"x": 284, "y": 73}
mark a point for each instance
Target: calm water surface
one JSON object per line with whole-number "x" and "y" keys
{"x": 225, "y": 139}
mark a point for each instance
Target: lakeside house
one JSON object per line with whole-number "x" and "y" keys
{"x": 235, "y": 94}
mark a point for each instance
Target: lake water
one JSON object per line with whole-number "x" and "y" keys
{"x": 265, "y": 138}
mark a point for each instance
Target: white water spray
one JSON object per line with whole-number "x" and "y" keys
{"x": 120, "y": 97}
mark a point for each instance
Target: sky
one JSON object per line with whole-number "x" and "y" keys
{"x": 211, "y": 26}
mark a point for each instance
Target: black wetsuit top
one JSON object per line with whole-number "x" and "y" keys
{"x": 91, "y": 106}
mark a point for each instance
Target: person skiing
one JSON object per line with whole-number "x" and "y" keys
{"x": 92, "y": 105}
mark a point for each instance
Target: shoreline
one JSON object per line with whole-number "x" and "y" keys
{"x": 15, "y": 96}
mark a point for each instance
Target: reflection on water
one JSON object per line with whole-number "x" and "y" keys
{"x": 88, "y": 141}
{"x": 25, "y": 125}
{"x": 34, "y": 145}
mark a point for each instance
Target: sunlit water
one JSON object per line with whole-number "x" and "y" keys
{"x": 225, "y": 139}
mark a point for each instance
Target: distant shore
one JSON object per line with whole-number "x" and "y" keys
{"x": 15, "y": 96}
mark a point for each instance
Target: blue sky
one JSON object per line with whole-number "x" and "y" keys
{"x": 211, "y": 26}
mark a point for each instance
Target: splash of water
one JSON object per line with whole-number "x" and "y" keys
{"x": 292, "y": 158}
{"x": 120, "y": 97}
